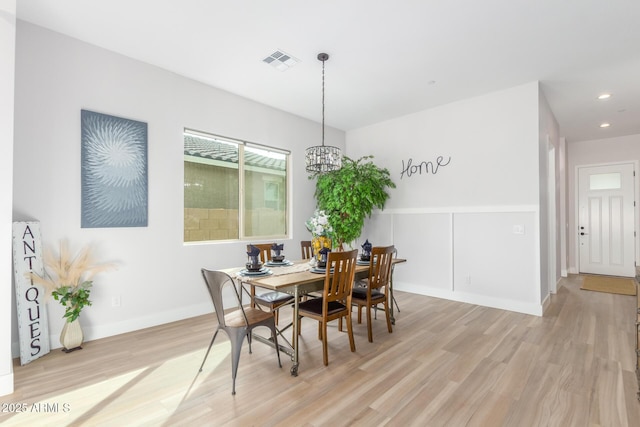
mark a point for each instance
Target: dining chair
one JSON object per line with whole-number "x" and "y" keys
{"x": 265, "y": 250}
{"x": 335, "y": 302}
{"x": 237, "y": 321}
{"x": 307, "y": 249}
{"x": 374, "y": 290}
{"x": 393, "y": 267}
{"x": 273, "y": 299}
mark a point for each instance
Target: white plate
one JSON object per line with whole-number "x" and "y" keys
{"x": 319, "y": 270}
{"x": 284, "y": 263}
{"x": 262, "y": 272}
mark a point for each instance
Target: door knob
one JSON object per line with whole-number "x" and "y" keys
{"x": 583, "y": 234}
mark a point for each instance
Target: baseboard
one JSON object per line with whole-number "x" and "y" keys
{"x": 483, "y": 300}
{"x": 117, "y": 328}
{"x": 6, "y": 384}
{"x": 546, "y": 303}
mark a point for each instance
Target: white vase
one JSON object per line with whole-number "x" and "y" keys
{"x": 71, "y": 336}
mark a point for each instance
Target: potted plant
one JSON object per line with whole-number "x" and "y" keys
{"x": 69, "y": 279}
{"x": 349, "y": 194}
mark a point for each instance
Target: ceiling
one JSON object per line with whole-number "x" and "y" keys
{"x": 387, "y": 58}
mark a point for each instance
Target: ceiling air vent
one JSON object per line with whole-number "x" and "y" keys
{"x": 280, "y": 60}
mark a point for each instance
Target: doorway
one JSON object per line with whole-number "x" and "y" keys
{"x": 606, "y": 218}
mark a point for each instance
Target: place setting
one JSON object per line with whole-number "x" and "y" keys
{"x": 365, "y": 256}
{"x": 254, "y": 267}
{"x": 321, "y": 265}
{"x": 277, "y": 259}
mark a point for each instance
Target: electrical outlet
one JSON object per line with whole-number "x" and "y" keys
{"x": 468, "y": 279}
{"x": 115, "y": 301}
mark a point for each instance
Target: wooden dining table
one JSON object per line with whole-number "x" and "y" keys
{"x": 297, "y": 279}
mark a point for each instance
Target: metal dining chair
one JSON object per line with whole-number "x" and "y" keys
{"x": 236, "y": 322}
{"x": 376, "y": 287}
{"x": 273, "y": 299}
{"x": 335, "y": 302}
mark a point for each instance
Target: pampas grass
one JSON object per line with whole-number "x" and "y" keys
{"x": 69, "y": 278}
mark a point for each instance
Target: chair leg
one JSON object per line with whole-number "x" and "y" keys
{"x": 352, "y": 343}
{"x": 369, "y": 327}
{"x": 236, "y": 346}
{"x": 209, "y": 349}
{"x": 249, "y": 340}
{"x": 319, "y": 330}
{"x": 274, "y": 335}
{"x": 325, "y": 352}
{"x": 359, "y": 313}
{"x": 275, "y": 315}
{"x": 386, "y": 311}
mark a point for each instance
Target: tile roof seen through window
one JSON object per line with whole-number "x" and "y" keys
{"x": 212, "y": 149}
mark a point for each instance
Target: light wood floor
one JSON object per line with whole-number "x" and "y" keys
{"x": 446, "y": 364}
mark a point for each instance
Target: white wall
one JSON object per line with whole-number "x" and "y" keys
{"x": 456, "y": 226}
{"x": 623, "y": 149}
{"x": 158, "y": 278}
{"x": 7, "y": 68}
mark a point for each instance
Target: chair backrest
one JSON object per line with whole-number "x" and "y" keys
{"x": 380, "y": 266}
{"x": 307, "y": 249}
{"x": 216, "y": 281}
{"x": 265, "y": 251}
{"x": 338, "y": 284}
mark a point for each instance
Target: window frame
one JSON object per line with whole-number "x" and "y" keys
{"x": 242, "y": 145}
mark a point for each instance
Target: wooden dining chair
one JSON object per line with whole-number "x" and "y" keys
{"x": 237, "y": 321}
{"x": 265, "y": 251}
{"x": 273, "y": 299}
{"x": 374, "y": 290}
{"x": 335, "y": 302}
{"x": 306, "y": 249}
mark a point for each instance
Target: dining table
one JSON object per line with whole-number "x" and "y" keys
{"x": 298, "y": 278}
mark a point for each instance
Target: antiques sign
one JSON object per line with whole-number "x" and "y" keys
{"x": 33, "y": 325}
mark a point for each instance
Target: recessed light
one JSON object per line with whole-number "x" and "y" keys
{"x": 605, "y": 125}
{"x": 605, "y": 96}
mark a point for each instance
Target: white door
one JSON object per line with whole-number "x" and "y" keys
{"x": 606, "y": 219}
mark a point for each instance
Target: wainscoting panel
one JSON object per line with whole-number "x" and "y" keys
{"x": 485, "y": 256}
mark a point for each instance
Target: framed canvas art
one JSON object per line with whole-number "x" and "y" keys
{"x": 114, "y": 171}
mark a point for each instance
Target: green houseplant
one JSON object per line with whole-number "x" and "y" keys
{"x": 349, "y": 195}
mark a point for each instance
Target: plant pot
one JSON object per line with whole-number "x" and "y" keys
{"x": 71, "y": 336}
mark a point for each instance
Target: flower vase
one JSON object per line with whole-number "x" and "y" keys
{"x": 319, "y": 242}
{"x": 71, "y": 336}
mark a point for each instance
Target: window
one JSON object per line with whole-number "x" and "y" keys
{"x": 216, "y": 170}
{"x": 605, "y": 181}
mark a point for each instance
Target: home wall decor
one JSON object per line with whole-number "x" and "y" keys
{"x": 114, "y": 171}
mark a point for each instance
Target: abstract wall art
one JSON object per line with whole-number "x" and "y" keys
{"x": 114, "y": 171}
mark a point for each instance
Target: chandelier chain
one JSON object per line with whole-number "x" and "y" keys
{"x": 323, "y": 61}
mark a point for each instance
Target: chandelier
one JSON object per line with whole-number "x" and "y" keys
{"x": 322, "y": 158}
